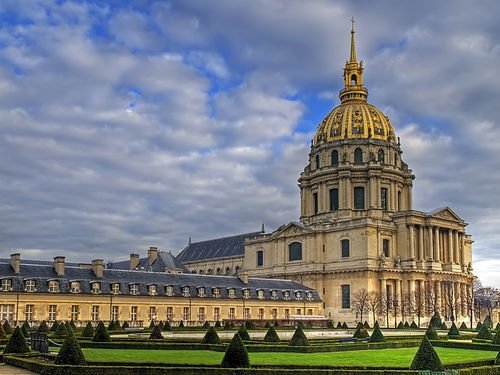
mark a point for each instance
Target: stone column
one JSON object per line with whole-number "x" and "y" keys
{"x": 437, "y": 250}
{"x": 430, "y": 236}
{"x": 458, "y": 299}
{"x": 349, "y": 193}
{"x": 411, "y": 242}
{"x": 383, "y": 288}
{"x": 421, "y": 243}
{"x": 393, "y": 196}
{"x": 397, "y": 293}
{"x": 462, "y": 249}
{"x": 456, "y": 252}
{"x": 438, "y": 295}
{"x": 372, "y": 203}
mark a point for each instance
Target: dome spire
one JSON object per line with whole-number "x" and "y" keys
{"x": 353, "y": 76}
{"x": 353, "y": 47}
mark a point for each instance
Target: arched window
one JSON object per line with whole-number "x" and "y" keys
{"x": 358, "y": 156}
{"x": 260, "y": 258}
{"x": 354, "y": 79}
{"x": 381, "y": 156}
{"x": 219, "y": 271}
{"x": 228, "y": 271}
{"x": 295, "y": 251}
{"x": 359, "y": 198}
{"x": 317, "y": 161}
{"x": 335, "y": 157}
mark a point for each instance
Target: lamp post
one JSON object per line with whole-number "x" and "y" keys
{"x": 395, "y": 304}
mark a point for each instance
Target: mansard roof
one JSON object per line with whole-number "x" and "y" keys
{"x": 225, "y": 247}
{"x": 164, "y": 261}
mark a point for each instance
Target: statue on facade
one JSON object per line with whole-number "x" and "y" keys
{"x": 397, "y": 261}
{"x": 381, "y": 260}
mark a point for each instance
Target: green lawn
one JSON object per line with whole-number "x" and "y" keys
{"x": 377, "y": 358}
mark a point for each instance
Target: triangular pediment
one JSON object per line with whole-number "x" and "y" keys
{"x": 291, "y": 229}
{"x": 445, "y": 213}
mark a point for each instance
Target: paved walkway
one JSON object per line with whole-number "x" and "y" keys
{"x": 11, "y": 370}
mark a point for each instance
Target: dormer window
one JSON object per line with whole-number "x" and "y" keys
{"x": 169, "y": 290}
{"x": 96, "y": 287}
{"x": 53, "y": 286}
{"x": 152, "y": 290}
{"x": 30, "y": 285}
{"x": 134, "y": 289}
{"x": 75, "y": 287}
{"x": 298, "y": 295}
{"x": 260, "y": 294}
{"x": 231, "y": 293}
{"x": 216, "y": 292}
{"x": 201, "y": 292}
{"x": 185, "y": 291}
{"x": 309, "y": 296}
{"x": 286, "y": 294}
{"x": 115, "y": 288}
{"x": 6, "y": 285}
{"x": 246, "y": 293}
{"x": 274, "y": 294}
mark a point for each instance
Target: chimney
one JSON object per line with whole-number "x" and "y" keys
{"x": 243, "y": 277}
{"x": 152, "y": 254}
{"x": 59, "y": 265}
{"x": 134, "y": 261}
{"x": 98, "y": 267}
{"x": 15, "y": 262}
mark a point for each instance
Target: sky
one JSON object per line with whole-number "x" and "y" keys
{"x": 129, "y": 124}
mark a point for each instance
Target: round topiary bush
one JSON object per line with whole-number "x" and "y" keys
{"x": 88, "y": 331}
{"x": 436, "y": 320}
{"x": 236, "y": 355}
{"x": 211, "y": 337}
{"x": 17, "y": 343}
{"x": 7, "y": 328}
{"x": 377, "y": 335}
{"x": 453, "y": 331}
{"x": 361, "y": 332}
{"x": 299, "y": 338}
{"x": 426, "y": 358}
{"x": 156, "y": 333}
{"x": 242, "y": 331}
{"x": 271, "y": 335}
{"x": 101, "y": 333}
{"x": 43, "y": 327}
{"x": 484, "y": 333}
{"x": 431, "y": 333}
{"x": 61, "y": 331}
{"x": 413, "y": 325}
{"x": 70, "y": 353}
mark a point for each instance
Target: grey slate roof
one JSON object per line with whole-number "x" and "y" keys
{"x": 165, "y": 260}
{"x": 226, "y": 247}
{"x": 42, "y": 273}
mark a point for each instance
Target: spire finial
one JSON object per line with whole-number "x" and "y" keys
{"x": 353, "y": 47}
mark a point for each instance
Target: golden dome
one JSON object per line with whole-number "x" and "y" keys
{"x": 354, "y": 118}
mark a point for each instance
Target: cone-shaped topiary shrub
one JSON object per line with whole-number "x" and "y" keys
{"x": 276, "y": 324}
{"x": 267, "y": 325}
{"x": 249, "y": 324}
{"x": 488, "y": 322}
{"x": 444, "y": 326}
{"x": 181, "y": 324}
{"x": 479, "y": 325}
{"x": 299, "y": 338}
{"x": 101, "y": 333}
{"x": 156, "y": 333}
{"x": 497, "y": 360}
{"x": 377, "y": 335}
{"x": 484, "y": 333}
{"x": 211, "y": 337}
{"x": 401, "y": 325}
{"x": 24, "y": 330}
{"x": 88, "y": 331}
{"x": 2, "y": 332}
{"x": 227, "y": 325}
{"x": 43, "y": 327}
{"x": 407, "y": 325}
{"x": 218, "y": 324}
{"x": 366, "y": 324}
{"x": 61, "y": 331}
{"x": 236, "y": 355}
{"x": 436, "y": 320}
{"x": 463, "y": 326}
{"x": 453, "y": 330}
{"x": 69, "y": 328}
{"x": 431, "y": 333}
{"x": 330, "y": 325}
{"x": 300, "y": 324}
{"x": 242, "y": 331}
{"x": 361, "y": 332}
{"x": 413, "y": 325}
{"x": 151, "y": 324}
{"x": 54, "y": 326}
{"x": 497, "y": 328}
{"x": 111, "y": 325}
{"x": 125, "y": 325}
{"x": 70, "y": 353}
{"x": 161, "y": 325}
{"x": 17, "y": 343}
{"x": 496, "y": 338}
{"x": 426, "y": 358}
{"x": 339, "y": 325}
{"x": 271, "y": 335}
{"x": 345, "y": 326}
{"x": 167, "y": 326}
{"x": 206, "y": 325}
{"x": 72, "y": 325}
{"x": 7, "y": 328}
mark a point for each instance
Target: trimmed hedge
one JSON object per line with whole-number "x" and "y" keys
{"x": 361, "y": 332}
{"x": 426, "y": 358}
{"x": 271, "y": 335}
{"x": 436, "y": 320}
{"x": 156, "y": 333}
{"x": 299, "y": 338}
{"x": 70, "y": 353}
{"x": 467, "y": 345}
{"x": 101, "y": 333}
{"x": 236, "y": 355}
{"x": 17, "y": 343}
{"x": 211, "y": 337}
{"x": 484, "y": 333}
{"x": 377, "y": 335}
{"x": 88, "y": 330}
{"x": 431, "y": 333}
{"x": 242, "y": 331}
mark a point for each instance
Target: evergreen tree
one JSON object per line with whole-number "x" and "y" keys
{"x": 101, "y": 333}
{"x": 211, "y": 337}
{"x": 436, "y": 320}
{"x": 496, "y": 338}
{"x": 488, "y": 322}
{"x": 2, "y": 332}
{"x": 43, "y": 327}
{"x": 54, "y": 326}
{"x": 444, "y": 326}
{"x": 401, "y": 325}
{"x": 24, "y": 330}
{"x": 70, "y": 353}
{"x": 181, "y": 324}
{"x": 339, "y": 325}
{"x": 167, "y": 326}
{"x": 17, "y": 343}
{"x": 345, "y": 326}
{"x": 431, "y": 333}
{"x": 361, "y": 332}
{"x": 366, "y": 324}
{"x": 88, "y": 331}
{"x": 7, "y": 327}
{"x": 61, "y": 331}
{"x": 271, "y": 335}
{"x": 125, "y": 325}
{"x": 377, "y": 335}
{"x": 218, "y": 324}
{"x": 413, "y": 325}
{"x": 156, "y": 333}
{"x": 463, "y": 326}
{"x": 299, "y": 338}
{"x": 426, "y": 358}
{"x": 242, "y": 331}
{"x": 453, "y": 330}
{"x": 236, "y": 355}
{"x": 484, "y": 333}
{"x": 479, "y": 326}
{"x": 330, "y": 325}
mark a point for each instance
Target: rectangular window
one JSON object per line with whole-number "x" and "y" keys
{"x": 386, "y": 247}
{"x": 201, "y": 314}
{"x": 309, "y": 311}
{"x": 170, "y": 290}
{"x": 334, "y": 199}
{"x": 134, "y": 313}
{"x": 30, "y": 286}
{"x": 346, "y": 296}
{"x": 52, "y": 313}
{"x": 216, "y": 314}
{"x": 216, "y": 292}
{"x": 185, "y": 291}
{"x": 260, "y": 258}
{"x": 383, "y": 198}
{"x": 152, "y": 290}
{"x": 95, "y": 313}
{"x": 170, "y": 313}
{"x": 246, "y": 313}
{"x": 29, "y": 312}
{"x": 185, "y": 313}
{"x": 115, "y": 288}
{"x": 246, "y": 293}
{"x": 260, "y": 294}
{"x": 152, "y": 313}
{"x": 54, "y": 286}
{"x": 295, "y": 251}
{"x": 231, "y": 293}
{"x": 315, "y": 203}
{"x": 134, "y": 289}
{"x": 201, "y": 292}
{"x": 261, "y": 313}
{"x": 345, "y": 248}
{"x": 274, "y": 313}
{"x": 115, "y": 313}
{"x": 6, "y": 285}
{"x": 75, "y": 312}
{"x": 359, "y": 198}
{"x": 7, "y": 312}
{"x": 299, "y": 312}
{"x": 287, "y": 314}
{"x": 75, "y": 287}
{"x": 232, "y": 313}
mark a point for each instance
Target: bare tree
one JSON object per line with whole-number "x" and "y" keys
{"x": 418, "y": 304}
{"x": 449, "y": 300}
{"x": 385, "y": 307}
{"x": 431, "y": 299}
{"x": 374, "y": 301}
{"x": 488, "y": 298}
{"x": 406, "y": 305}
{"x": 469, "y": 300}
{"x": 359, "y": 303}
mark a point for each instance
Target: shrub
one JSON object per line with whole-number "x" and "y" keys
{"x": 479, "y": 325}
{"x": 339, "y": 325}
{"x": 271, "y": 335}
{"x": 206, "y": 325}
{"x": 218, "y": 324}
{"x": 236, "y": 355}
{"x": 426, "y": 358}
{"x": 88, "y": 331}
{"x": 267, "y": 325}
{"x": 156, "y": 333}
{"x": 54, "y": 326}
{"x": 377, "y": 335}
{"x": 69, "y": 328}
{"x": 2, "y": 332}
{"x": 72, "y": 325}
{"x": 300, "y": 324}
{"x": 125, "y": 325}
{"x": 463, "y": 326}
{"x": 276, "y": 324}
{"x": 366, "y": 324}
{"x": 497, "y": 328}
{"x": 299, "y": 338}
{"x": 17, "y": 343}
{"x": 227, "y": 325}
{"x": 24, "y": 330}
{"x": 70, "y": 353}
{"x": 7, "y": 327}
{"x": 43, "y": 327}
{"x": 431, "y": 333}
{"x": 496, "y": 338}
{"x": 484, "y": 333}
{"x": 453, "y": 330}
{"x": 401, "y": 325}
{"x": 242, "y": 331}
{"x": 444, "y": 326}
{"x": 249, "y": 325}
{"x": 436, "y": 320}
{"x": 161, "y": 325}
{"x": 181, "y": 324}
{"x": 330, "y": 325}
{"x": 111, "y": 325}
{"x": 61, "y": 331}
{"x": 167, "y": 326}
{"x": 407, "y": 325}
{"x": 361, "y": 332}
{"x": 413, "y": 325}
{"x": 211, "y": 337}
{"x": 345, "y": 326}
{"x": 101, "y": 333}
{"x": 488, "y": 322}
{"x": 497, "y": 360}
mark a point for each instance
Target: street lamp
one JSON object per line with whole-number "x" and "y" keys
{"x": 395, "y": 304}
